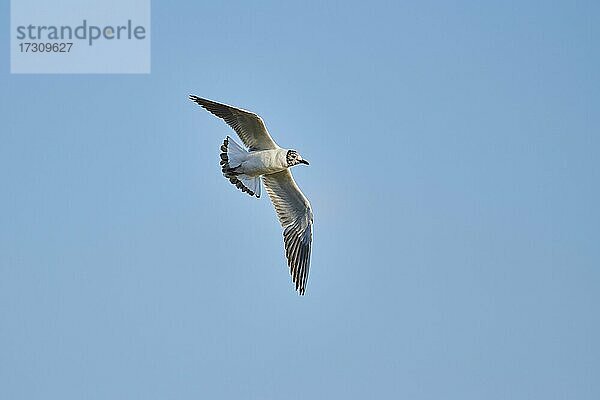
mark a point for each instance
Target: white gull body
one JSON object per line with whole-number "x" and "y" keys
{"x": 264, "y": 162}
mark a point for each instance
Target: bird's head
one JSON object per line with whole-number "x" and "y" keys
{"x": 293, "y": 158}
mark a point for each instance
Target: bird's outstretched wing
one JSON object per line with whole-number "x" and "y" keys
{"x": 295, "y": 215}
{"x": 249, "y": 126}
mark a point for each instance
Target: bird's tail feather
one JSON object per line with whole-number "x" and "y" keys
{"x": 232, "y": 156}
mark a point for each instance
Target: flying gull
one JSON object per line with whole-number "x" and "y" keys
{"x": 264, "y": 158}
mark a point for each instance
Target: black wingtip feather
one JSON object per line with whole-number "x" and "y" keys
{"x": 229, "y": 172}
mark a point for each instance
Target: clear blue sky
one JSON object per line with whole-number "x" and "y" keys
{"x": 455, "y": 184}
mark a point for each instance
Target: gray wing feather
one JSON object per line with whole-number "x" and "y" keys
{"x": 296, "y": 218}
{"x": 250, "y": 127}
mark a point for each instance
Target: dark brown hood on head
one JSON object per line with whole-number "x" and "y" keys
{"x": 293, "y": 158}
